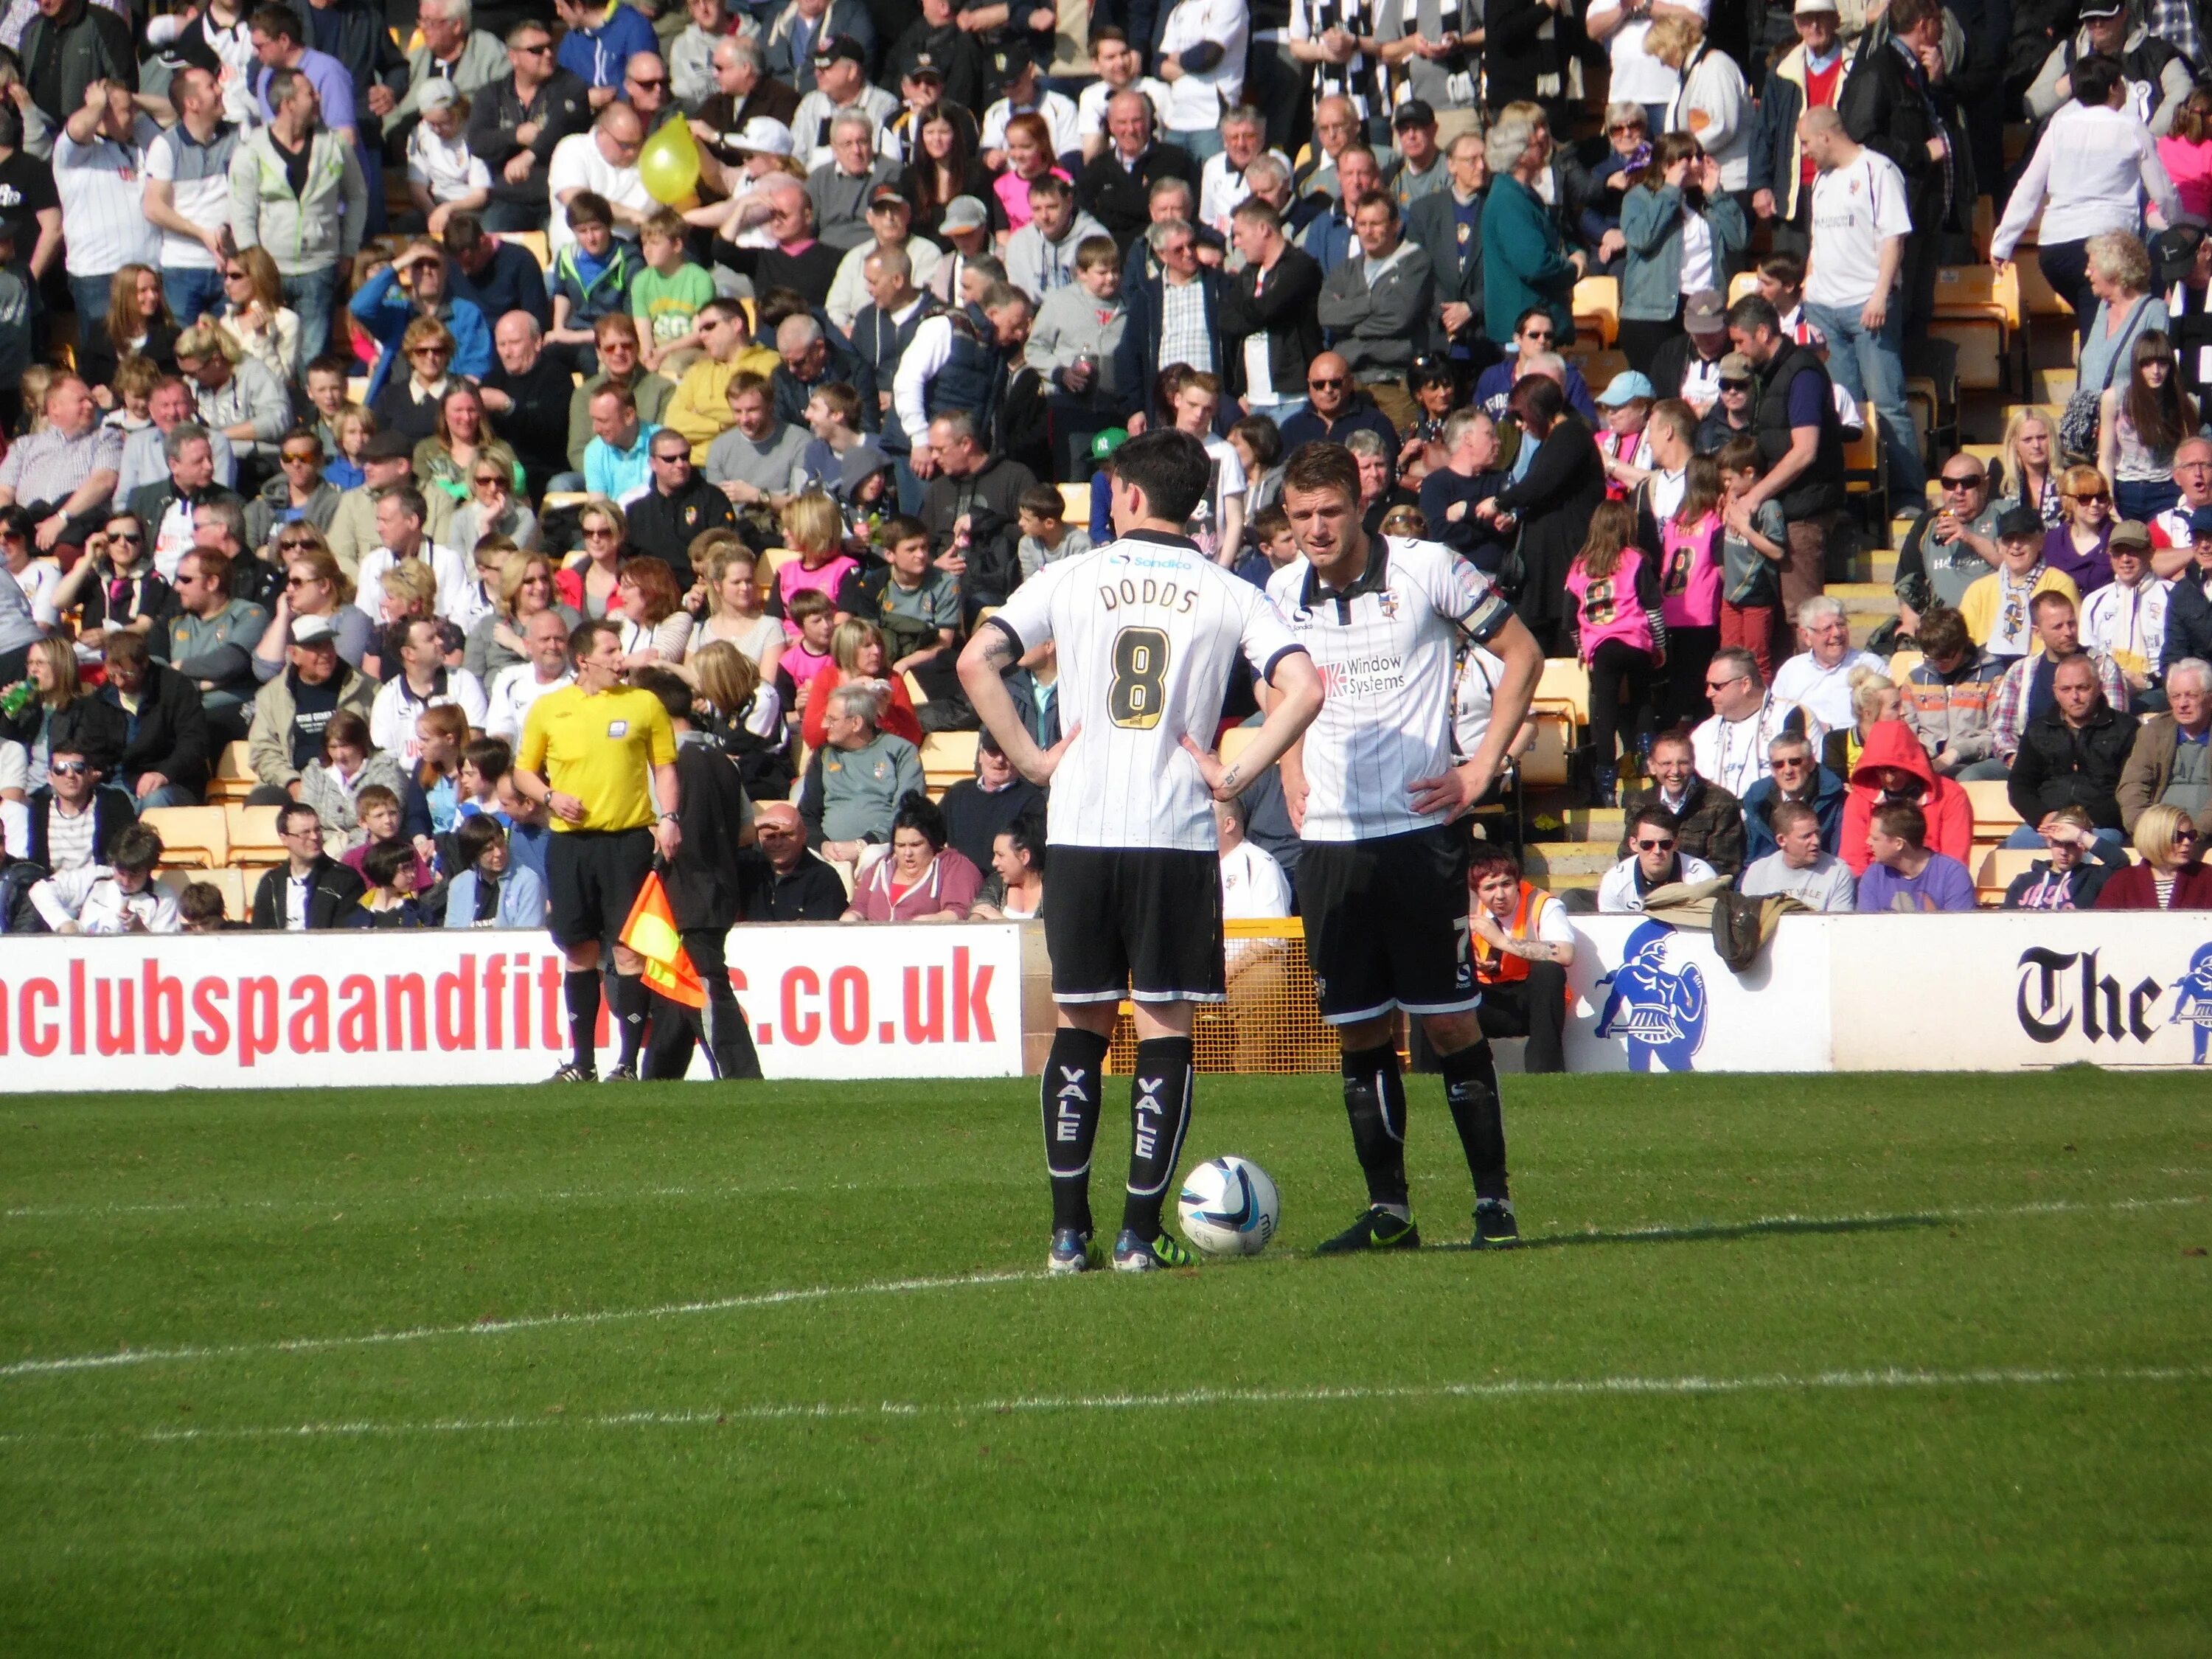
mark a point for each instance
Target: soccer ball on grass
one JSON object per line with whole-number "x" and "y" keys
{"x": 1229, "y": 1207}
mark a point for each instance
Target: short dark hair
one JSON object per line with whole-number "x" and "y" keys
{"x": 588, "y": 207}
{"x": 1038, "y": 501}
{"x": 492, "y": 756}
{"x": 580, "y": 637}
{"x": 1487, "y": 859}
{"x": 474, "y": 833}
{"x": 202, "y": 901}
{"x": 1742, "y": 454}
{"x": 2094, "y": 76}
{"x": 1943, "y": 632}
{"x": 667, "y": 685}
{"x": 1783, "y": 814}
{"x": 1656, "y": 815}
{"x": 136, "y": 847}
{"x": 1903, "y": 819}
{"x": 278, "y": 21}
{"x": 291, "y": 809}
{"x": 1752, "y": 312}
{"x": 900, "y": 527}
{"x": 1262, "y": 436}
{"x": 2051, "y": 598}
{"x": 919, "y": 813}
{"x": 1323, "y": 466}
{"x": 1170, "y": 467}
{"x": 381, "y": 865}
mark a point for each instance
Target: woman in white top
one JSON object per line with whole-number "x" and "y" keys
{"x": 254, "y": 313}
{"x": 1622, "y": 27}
{"x": 1714, "y": 104}
{"x": 727, "y": 605}
{"x": 2088, "y": 175}
{"x": 655, "y": 626}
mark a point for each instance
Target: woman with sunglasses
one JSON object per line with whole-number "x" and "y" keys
{"x": 491, "y": 507}
{"x": 1686, "y": 234}
{"x": 254, "y": 313}
{"x": 137, "y": 320}
{"x": 498, "y": 641}
{"x": 2077, "y": 548}
{"x": 2139, "y": 428}
{"x": 589, "y": 585}
{"x": 314, "y": 586}
{"x": 116, "y": 585}
{"x": 413, "y": 399}
{"x": 461, "y": 446}
{"x": 2172, "y": 876}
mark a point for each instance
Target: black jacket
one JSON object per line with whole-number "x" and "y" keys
{"x": 1137, "y": 362}
{"x": 1819, "y": 488}
{"x": 1432, "y": 223}
{"x": 2058, "y": 766}
{"x": 169, "y": 734}
{"x": 152, "y": 503}
{"x": 665, "y": 525}
{"x": 1120, "y": 197}
{"x": 991, "y": 499}
{"x": 561, "y": 106}
{"x": 1514, "y": 54}
{"x": 975, "y": 816}
{"x": 112, "y": 812}
{"x": 62, "y": 58}
{"x": 1283, "y": 311}
{"x": 811, "y": 892}
{"x": 537, "y": 428}
{"x": 88, "y": 727}
{"x": 2187, "y": 621}
{"x": 705, "y": 887}
{"x": 1555, "y": 500}
{"x": 334, "y": 893}
{"x": 1883, "y": 107}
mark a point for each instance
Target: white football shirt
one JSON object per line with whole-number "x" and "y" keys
{"x": 1387, "y": 646}
{"x": 1149, "y": 632}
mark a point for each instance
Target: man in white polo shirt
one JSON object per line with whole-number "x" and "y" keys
{"x": 545, "y": 644}
{"x": 1862, "y": 214}
{"x": 99, "y": 174}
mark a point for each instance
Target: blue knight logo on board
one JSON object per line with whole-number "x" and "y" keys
{"x": 1659, "y": 1010}
{"x": 2192, "y": 1003}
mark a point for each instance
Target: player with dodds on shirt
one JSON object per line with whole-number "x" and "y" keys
{"x": 1371, "y": 788}
{"x": 1149, "y": 631}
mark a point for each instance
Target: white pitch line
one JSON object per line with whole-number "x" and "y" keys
{"x": 129, "y": 1356}
{"x": 1886, "y": 1378}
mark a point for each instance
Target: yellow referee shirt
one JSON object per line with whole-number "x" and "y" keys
{"x": 600, "y": 748}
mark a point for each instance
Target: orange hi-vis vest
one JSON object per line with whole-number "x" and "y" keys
{"x": 1495, "y": 967}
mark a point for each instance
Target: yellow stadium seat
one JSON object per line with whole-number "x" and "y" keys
{"x": 1977, "y": 310}
{"x": 2036, "y": 294}
{"x": 1994, "y": 817}
{"x": 1546, "y": 764}
{"x": 357, "y": 390}
{"x": 231, "y": 883}
{"x": 1902, "y": 663}
{"x": 915, "y": 694}
{"x": 947, "y": 757}
{"x": 1742, "y": 284}
{"x": 1599, "y": 367}
{"x": 234, "y": 777}
{"x": 1564, "y": 689}
{"x": 193, "y": 837}
{"x": 1075, "y": 498}
{"x": 252, "y": 832}
{"x": 2001, "y": 865}
{"x": 1597, "y": 308}
{"x": 536, "y": 241}
{"x": 774, "y": 559}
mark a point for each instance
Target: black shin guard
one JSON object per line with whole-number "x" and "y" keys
{"x": 1073, "y": 1089}
{"x": 582, "y": 985}
{"x": 1374, "y": 1101}
{"x": 1471, "y": 1091}
{"x": 728, "y": 1034}
{"x": 1159, "y": 1116}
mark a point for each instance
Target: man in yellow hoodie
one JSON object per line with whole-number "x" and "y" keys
{"x": 699, "y": 408}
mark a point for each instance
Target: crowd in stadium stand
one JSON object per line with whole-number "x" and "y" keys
{"x": 353, "y": 354}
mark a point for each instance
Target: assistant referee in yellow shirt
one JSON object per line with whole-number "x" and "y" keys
{"x": 599, "y": 753}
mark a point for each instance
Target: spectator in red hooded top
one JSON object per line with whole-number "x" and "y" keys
{"x": 1892, "y": 766}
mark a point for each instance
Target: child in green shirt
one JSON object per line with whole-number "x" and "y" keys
{"x": 666, "y": 296}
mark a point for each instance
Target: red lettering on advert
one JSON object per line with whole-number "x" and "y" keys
{"x": 164, "y": 1000}
{"x": 848, "y": 1005}
{"x": 357, "y": 1020}
{"x": 494, "y": 982}
{"x": 257, "y": 1019}
{"x": 549, "y": 1001}
{"x": 207, "y": 997}
{"x": 919, "y": 1028}
{"x": 40, "y": 1040}
{"x": 800, "y": 1028}
{"x": 309, "y": 1033}
{"x": 114, "y": 1035}
{"x": 971, "y": 1000}
{"x": 457, "y": 1007}
{"x": 77, "y": 1006}
{"x": 403, "y": 996}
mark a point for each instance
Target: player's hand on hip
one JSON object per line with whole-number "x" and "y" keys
{"x": 567, "y": 808}
{"x": 1222, "y": 782}
{"x": 1040, "y": 770}
{"x": 1454, "y": 791}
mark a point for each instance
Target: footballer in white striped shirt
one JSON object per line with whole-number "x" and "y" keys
{"x": 1374, "y": 792}
{"x": 1149, "y": 631}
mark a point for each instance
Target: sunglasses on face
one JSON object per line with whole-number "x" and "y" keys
{"x": 1654, "y": 845}
{"x": 1967, "y": 482}
{"x": 2095, "y": 499}
{"x": 300, "y": 581}
{"x": 1790, "y": 762}
{"x": 1330, "y": 384}
{"x": 657, "y": 81}
{"x": 533, "y": 49}
{"x": 1721, "y": 685}
{"x": 300, "y": 460}
{"x": 490, "y": 478}
{"x": 69, "y": 768}
{"x": 1736, "y": 385}
{"x": 129, "y": 535}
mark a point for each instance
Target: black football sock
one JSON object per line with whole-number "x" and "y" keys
{"x": 1374, "y": 1101}
{"x": 727, "y": 1033}
{"x": 1159, "y": 1116}
{"x": 1471, "y": 1091}
{"x": 583, "y": 989}
{"x": 632, "y": 1002}
{"x": 1073, "y": 1090}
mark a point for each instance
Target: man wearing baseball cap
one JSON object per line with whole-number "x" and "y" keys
{"x": 1688, "y": 366}
{"x": 936, "y": 47}
{"x": 1808, "y": 75}
{"x": 841, "y": 87}
{"x": 1026, "y": 95}
{"x": 389, "y": 461}
{"x": 890, "y": 225}
{"x": 2160, "y": 77}
{"x": 1421, "y": 170}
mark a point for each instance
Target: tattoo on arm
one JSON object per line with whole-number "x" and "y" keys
{"x": 1534, "y": 949}
{"x": 998, "y": 649}
{"x": 1232, "y": 779}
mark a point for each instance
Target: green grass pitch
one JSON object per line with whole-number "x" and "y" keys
{"x": 1860, "y": 1364}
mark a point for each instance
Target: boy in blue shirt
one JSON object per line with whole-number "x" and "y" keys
{"x": 591, "y": 278}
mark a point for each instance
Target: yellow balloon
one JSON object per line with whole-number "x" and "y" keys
{"x": 668, "y": 164}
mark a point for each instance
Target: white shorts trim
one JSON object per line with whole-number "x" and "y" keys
{"x": 1467, "y": 1007}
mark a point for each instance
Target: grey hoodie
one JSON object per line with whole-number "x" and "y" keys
{"x": 307, "y": 232}
{"x": 1066, "y": 326}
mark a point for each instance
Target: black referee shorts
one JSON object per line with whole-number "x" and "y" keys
{"x": 594, "y": 875}
{"x": 1138, "y": 922}
{"x": 1386, "y": 924}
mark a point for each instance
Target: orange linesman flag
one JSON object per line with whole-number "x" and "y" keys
{"x": 651, "y": 932}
